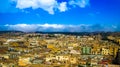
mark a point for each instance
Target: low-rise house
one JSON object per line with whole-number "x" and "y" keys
{"x": 86, "y": 50}
{"x": 62, "y": 58}
{"x": 94, "y": 62}
{"x": 74, "y": 52}
{"x": 49, "y": 57}
{"x": 37, "y": 61}
{"x": 82, "y": 62}
{"x": 5, "y": 56}
{"x": 24, "y": 61}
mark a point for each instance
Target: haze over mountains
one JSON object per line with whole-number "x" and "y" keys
{"x": 60, "y": 28}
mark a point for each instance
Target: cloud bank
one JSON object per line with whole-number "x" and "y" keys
{"x": 61, "y": 28}
{"x": 50, "y": 5}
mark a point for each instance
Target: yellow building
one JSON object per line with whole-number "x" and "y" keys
{"x": 49, "y": 57}
{"x": 50, "y": 46}
{"x": 24, "y": 61}
{"x": 115, "y": 51}
{"x": 105, "y": 51}
{"x": 73, "y": 60}
{"x": 111, "y": 50}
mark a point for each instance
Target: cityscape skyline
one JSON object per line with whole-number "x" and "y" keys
{"x": 60, "y": 33}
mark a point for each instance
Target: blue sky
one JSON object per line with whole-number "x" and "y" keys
{"x": 60, "y": 15}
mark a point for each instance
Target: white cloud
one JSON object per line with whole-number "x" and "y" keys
{"x": 50, "y": 5}
{"x": 23, "y": 27}
{"x": 47, "y": 5}
{"x": 55, "y": 26}
{"x": 34, "y": 27}
{"x": 63, "y": 7}
{"x": 80, "y": 3}
{"x": 114, "y": 26}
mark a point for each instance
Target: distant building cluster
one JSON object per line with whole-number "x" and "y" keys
{"x": 51, "y": 50}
